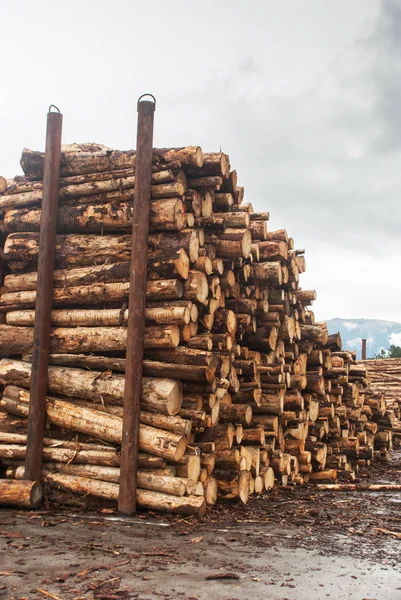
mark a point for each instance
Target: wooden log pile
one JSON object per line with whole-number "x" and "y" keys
{"x": 385, "y": 380}
{"x": 243, "y": 389}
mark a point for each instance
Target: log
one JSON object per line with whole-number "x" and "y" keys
{"x": 79, "y": 276}
{"x": 201, "y": 342}
{"x": 170, "y": 289}
{"x": 254, "y": 435}
{"x": 268, "y": 475}
{"x": 222, "y": 435}
{"x": 166, "y": 214}
{"x": 20, "y": 185}
{"x": 151, "y": 368}
{"x": 19, "y": 340}
{"x": 186, "y": 239}
{"x": 21, "y": 250}
{"x": 267, "y": 271}
{"x": 147, "y": 480}
{"x": 233, "y": 243}
{"x": 265, "y": 338}
{"x": 183, "y": 355}
{"x": 98, "y": 424}
{"x": 3, "y": 184}
{"x": 174, "y": 423}
{"x": 106, "y": 457}
{"x": 314, "y": 333}
{"x": 210, "y": 486}
{"x": 196, "y": 287}
{"x": 214, "y": 163}
{"x": 230, "y": 459}
{"x": 21, "y": 494}
{"x": 147, "y": 499}
{"x": 224, "y": 321}
{"x": 158, "y": 395}
{"x": 175, "y": 261}
{"x": 270, "y": 404}
{"x": 228, "y": 489}
{"x": 358, "y": 487}
{"x": 95, "y": 158}
{"x": 323, "y": 475}
{"x": 163, "y": 264}
{"x": 273, "y": 250}
{"x": 259, "y": 484}
{"x": 244, "y": 486}
{"x": 175, "y": 315}
{"x": 71, "y": 452}
{"x": 236, "y": 413}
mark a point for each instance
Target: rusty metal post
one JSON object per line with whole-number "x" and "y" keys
{"x": 44, "y": 297}
{"x": 136, "y": 307}
{"x": 363, "y": 348}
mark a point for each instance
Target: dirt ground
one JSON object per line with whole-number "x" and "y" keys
{"x": 286, "y": 545}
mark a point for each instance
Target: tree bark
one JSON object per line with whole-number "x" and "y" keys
{"x": 175, "y": 263}
{"x": 19, "y": 340}
{"x": 81, "y": 159}
{"x": 79, "y": 250}
{"x": 98, "y": 293}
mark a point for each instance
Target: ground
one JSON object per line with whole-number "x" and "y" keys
{"x": 287, "y": 545}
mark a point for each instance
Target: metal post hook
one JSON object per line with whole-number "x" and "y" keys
{"x": 143, "y": 96}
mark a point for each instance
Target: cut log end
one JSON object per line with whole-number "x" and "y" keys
{"x": 22, "y": 494}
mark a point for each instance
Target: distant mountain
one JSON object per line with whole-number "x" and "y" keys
{"x": 378, "y": 334}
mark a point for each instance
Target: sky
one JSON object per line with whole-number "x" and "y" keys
{"x": 304, "y": 96}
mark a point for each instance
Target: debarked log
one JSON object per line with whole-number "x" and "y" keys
{"x": 158, "y": 395}
{"x": 151, "y": 368}
{"x": 13, "y": 448}
{"x": 147, "y": 480}
{"x": 96, "y": 423}
{"x": 106, "y": 317}
{"x": 147, "y": 499}
{"x": 358, "y": 487}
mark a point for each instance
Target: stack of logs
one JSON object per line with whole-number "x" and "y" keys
{"x": 242, "y": 387}
{"x": 385, "y": 379}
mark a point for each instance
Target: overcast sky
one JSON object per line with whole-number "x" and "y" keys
{"x": 304, "y": 95}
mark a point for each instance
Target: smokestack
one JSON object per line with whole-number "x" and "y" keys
{"x": 363, "y": 348}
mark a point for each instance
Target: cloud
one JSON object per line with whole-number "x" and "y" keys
{"x": 353, "y": 343}
{"x": 395, "y": 339}
{"x": 385, "y": 75}
{"x": 350, "y": 325}
{"x": 321, "y": 155}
